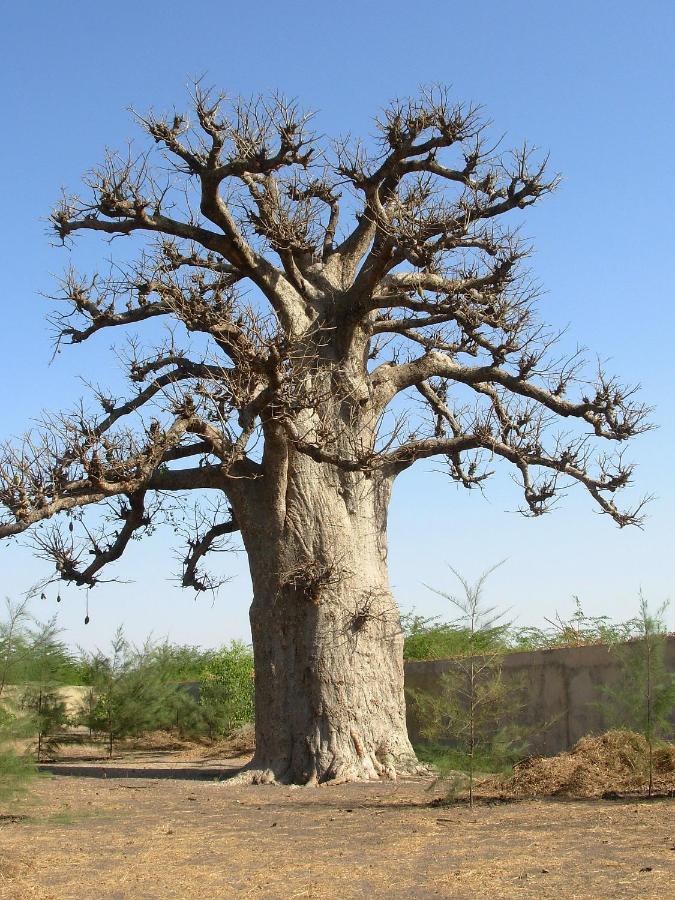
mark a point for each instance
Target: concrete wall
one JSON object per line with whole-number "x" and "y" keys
{"x": 562, "y": 690}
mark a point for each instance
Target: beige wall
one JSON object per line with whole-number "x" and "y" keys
{"x": 73, "y": 696}
{"x": 562, "y": 689}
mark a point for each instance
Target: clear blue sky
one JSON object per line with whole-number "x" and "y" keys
{"x": 591, "y": 82}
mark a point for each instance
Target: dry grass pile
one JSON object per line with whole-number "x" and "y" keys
{"x": 156, "y": 741}
{"x": 240, "y": 743}
{"x": 613, "y": 762}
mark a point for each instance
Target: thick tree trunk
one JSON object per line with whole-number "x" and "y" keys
{"x": 326, "y": 631}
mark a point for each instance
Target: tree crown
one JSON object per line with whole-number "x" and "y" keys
{"x": 323, "y": 282}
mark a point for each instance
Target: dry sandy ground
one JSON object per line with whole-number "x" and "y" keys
{"x": 179, "y": 838}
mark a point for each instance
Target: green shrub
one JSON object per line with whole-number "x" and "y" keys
{"x": 644, "y": 698}
{"x": 579, "y": 630}
{"x": 47, "y": 665}
{"x": 430, "y": 639}
{"x": 130, "y": 693}
{"x": 184, "y": 714}
{"x": 48, "y": 716}
{"x": 16, "y": 768}
{"x": 181, "y": 662}
{"x": 474, "y": 708}
{"x": 227, "y": 689}
{"x": 28, "y": 646}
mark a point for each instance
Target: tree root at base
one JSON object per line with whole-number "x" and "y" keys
{"x": 349, "y": 773}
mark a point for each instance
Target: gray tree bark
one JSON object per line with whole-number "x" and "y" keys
{"x": 326, "y": 631}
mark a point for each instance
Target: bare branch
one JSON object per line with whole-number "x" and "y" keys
{"x": 210, "y": 540}
{"x": 316, "y": 288}
{"x": 611, "y": 412}
{"x": 61, "y": 550}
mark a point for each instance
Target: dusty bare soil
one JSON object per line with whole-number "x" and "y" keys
{"x": 189, "y": 836}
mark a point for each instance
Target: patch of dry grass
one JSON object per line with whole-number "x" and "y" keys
{"x": 240, "y": 743}
{"x": 158, "y": 740}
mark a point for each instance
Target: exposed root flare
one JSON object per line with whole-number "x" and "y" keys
{"x": 367, "y": 768}
{"x": 249, "y": 776}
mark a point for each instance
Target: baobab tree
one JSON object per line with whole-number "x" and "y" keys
{"x": 339, "y": 312}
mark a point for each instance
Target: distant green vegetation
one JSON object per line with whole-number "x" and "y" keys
{"x": 17, "y": 769}
{"x": 183, "y": 662}
{"x": 136, "y": 689}
{"x": 430, "y": 638}
{"x": 131, "y": 690}
{"x": 227, "y": 689}
{"x": 27, "y": 646}
{"x": 579, "y": 630}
